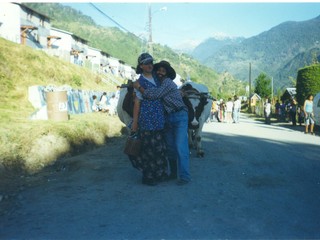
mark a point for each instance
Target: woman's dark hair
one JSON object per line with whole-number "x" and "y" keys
{"x": 138, "y": 69}
{"x": 309, "y": 96}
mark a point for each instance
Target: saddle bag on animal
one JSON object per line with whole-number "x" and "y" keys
{"x": 128, "y": 102}
{"x": 133, "y": 145}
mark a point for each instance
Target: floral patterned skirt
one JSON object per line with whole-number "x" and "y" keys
{"x": 153, "y": 159}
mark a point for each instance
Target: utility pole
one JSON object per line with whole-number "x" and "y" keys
{"x": 249, "y": 110}
{"x": 272, "y": 89}
{"x": 150, "y": 32}
{"x": 150, "y": 41}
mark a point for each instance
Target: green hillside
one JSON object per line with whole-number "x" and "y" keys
{"x": 22, "y": 67}
{"x": 127, "y": 47}
{"x": 33, "y": 144}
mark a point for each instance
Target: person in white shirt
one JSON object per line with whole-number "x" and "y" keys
{"x": 113, "y": 105}
{"x": 267, "y": 111}
{"x": 236, "y": 109}
{"x": 103, "y": 102}
{"x": 229, "y": 107}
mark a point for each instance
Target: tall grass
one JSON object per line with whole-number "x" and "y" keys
{"x": 30, "y": 145}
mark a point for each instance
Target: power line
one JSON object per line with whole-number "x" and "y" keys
{"x": 118, "y": 24}
{"x": 110, "y": 18}
{"x": 114, "y": 21}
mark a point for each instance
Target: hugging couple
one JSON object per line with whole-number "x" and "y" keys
{"x": 161, "y": 119}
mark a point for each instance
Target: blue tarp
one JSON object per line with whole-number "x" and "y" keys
{"x": 79, "y": 101}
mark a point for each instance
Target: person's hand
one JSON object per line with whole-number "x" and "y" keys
{"x": 136, "y": 84}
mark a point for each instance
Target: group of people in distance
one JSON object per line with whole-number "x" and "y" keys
{"x": 292, "y": 109}
{"x": 161, "y": 120}
{"x": 103, "y": 105}
{"x": 226, "y": 111}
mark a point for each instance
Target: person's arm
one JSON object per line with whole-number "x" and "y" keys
{"x": 138, "y": 87}
{"x": 304, "y": 107}
{"x": 136, "y": 112}
{"x": 156, "y": 93}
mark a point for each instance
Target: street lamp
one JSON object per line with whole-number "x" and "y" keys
{"x": 150, "y": 26}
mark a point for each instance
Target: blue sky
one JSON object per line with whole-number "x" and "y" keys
{"x": 189, "y": 23}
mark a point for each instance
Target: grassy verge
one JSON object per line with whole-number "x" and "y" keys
{"x": 37, "y": 144}
{"x": 32, "y": 145}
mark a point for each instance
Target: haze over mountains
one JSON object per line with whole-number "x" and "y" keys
{"x": 212, "y": 45}
{"x": 279, "y": 52}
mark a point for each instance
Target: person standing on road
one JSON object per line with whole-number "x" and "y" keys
{"x": 283, "y": 111}
{"x": 148, "y": 120}
{"x": 229, "y": 107}
{"x": 214, "y": 114}
{"x": 236, "y": 109}
{"x": 293, "y": 112}
{"x": 267, "y": 111}
{"x": 300, "y": 115}
{"x": 222, "y": 107}
{"x": 176, "y": 120}
{"x": 278, "y": 110}
{"x": 308, "y": 113}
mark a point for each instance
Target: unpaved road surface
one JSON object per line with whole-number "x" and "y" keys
{"x": 256, "y": 181}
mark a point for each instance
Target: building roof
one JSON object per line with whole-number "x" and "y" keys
{"x": 291, "y": 91}
{"x": 288, "y": 94}
{"x": 30, "y": 9}
{"x": 255, "y": 95}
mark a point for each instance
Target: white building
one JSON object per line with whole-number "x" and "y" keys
{"x": 10, "y": 22}
{"x": 23, "y": 25}
{"x": 114, "y": 65}
{"x": 94, "y": 56}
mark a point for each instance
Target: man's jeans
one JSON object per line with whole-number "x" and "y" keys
{"x": 177, "y": 144}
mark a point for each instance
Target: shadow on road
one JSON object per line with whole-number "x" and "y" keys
{"x": 246, "y": 187}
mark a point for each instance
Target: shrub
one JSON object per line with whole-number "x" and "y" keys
{"x": 308, "y": 82}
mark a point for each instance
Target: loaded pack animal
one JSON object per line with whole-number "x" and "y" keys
{"x": 196, "y": 97}
{"x": 125, "y": 104}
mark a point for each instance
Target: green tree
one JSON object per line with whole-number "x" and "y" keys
{"x": 263, "y": 85}
{"x": 308, "y": 82}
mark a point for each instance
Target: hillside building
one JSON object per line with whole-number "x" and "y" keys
{"x": 288, "y": 94}
{"x": 23, "y": 25}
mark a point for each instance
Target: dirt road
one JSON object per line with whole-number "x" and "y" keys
{"x": 256, "y": 181}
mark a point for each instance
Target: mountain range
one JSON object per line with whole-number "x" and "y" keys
{"x": 279, "y": 52}
{"x": 127, "y": 46}
{"x": 218, "y": 62}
